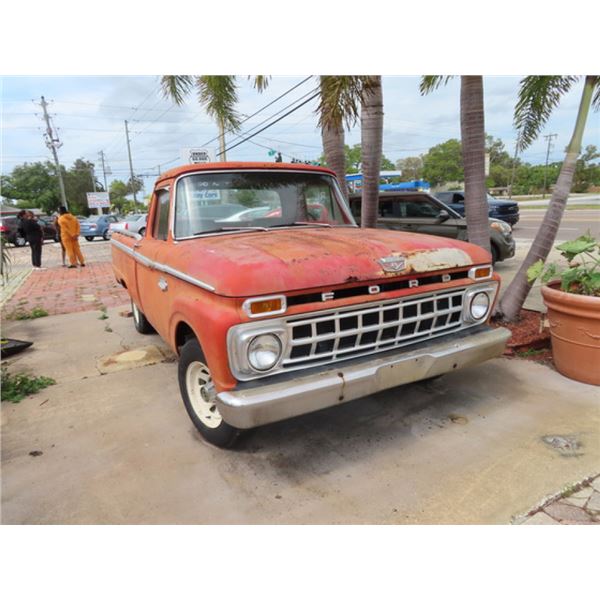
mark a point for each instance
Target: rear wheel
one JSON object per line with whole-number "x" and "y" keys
{"x": 89, "y": 238}
{"x": 142, "y": 231}
{"x": 142, "y": 325}
{"x": 198, "y": 393}
{"x": 106, "y": 235}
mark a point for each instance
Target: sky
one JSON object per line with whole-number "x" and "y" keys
{"x": 89, "y": 113}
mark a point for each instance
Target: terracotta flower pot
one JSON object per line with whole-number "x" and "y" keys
{"x": 575, "y": 333}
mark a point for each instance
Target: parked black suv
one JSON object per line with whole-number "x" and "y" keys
{"x": 419, "y": 212}
{"x": 9, "y": 226}
{"x": 505, "y": 210}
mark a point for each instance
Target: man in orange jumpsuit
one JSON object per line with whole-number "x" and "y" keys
{"x": 69, "y": 234}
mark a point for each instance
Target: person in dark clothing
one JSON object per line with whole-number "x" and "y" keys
{"x": 34, "y": 235}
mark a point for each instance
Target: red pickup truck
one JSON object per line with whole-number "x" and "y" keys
{"x": 277, "y": 304}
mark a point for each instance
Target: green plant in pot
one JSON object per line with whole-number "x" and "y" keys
{"x": 572, "y": 297}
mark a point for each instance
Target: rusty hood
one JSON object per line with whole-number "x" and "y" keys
{"x": 259, "y": 263}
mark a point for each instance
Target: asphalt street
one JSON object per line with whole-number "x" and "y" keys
{"x": 574, "y": 223}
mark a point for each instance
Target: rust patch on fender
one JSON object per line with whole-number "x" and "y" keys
{"x": 436, "y": 260}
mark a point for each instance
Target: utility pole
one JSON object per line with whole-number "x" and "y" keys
{"x": 130, "y": 165}
{"x": 53, "y": 143}
{"x": 549, "y": 138}
{"x": 103, "y": 170}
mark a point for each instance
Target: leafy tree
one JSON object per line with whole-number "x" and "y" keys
{"x": 443, "y": 163}
{"x": 79, "y": 181}
{"x": 586, "y": 173}
{"x": 411, "y": 167}
{"x": 34, "y": 185}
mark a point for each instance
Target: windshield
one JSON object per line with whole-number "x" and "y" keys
{"x": 215, "y": 202}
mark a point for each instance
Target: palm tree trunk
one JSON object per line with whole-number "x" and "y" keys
{"x": 472, "y": 129}
{"x": 371, "y": 124}
{"x": 333, "y": 148}
{"x": 222, "y": 155}
{"x": 515, "y": 295}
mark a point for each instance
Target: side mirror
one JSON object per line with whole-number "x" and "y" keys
{"x": 443, "y": 216}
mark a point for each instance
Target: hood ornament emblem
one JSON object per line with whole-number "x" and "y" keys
{"x": 393, "y": 264}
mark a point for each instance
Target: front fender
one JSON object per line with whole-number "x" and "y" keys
{"x": 209, "y": 316}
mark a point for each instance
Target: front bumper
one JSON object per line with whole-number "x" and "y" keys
{"x": 257, "y": 403}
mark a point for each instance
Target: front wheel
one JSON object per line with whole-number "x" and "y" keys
{"x": 89, "y": 238}
{"x": 198, "y": 393}
{"x": 20, "y": 241}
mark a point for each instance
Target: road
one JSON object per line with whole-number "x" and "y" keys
{"x": 574, "y": 223}
{"x": 573, "y": 201}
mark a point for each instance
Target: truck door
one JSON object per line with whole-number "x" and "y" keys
{"x": 148, "y": 278}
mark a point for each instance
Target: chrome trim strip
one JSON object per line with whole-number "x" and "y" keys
{"x": 161, "y": 267}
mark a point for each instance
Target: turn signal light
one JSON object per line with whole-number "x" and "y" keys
{"x": 262, "y": 307}
{"x": 479, "y": 273}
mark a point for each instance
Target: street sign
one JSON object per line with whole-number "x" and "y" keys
{"x": 98, "y": 200}
{"x": 197, "y": 155}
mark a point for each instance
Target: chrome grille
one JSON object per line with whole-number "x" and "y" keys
{"x": 376, "y": 327}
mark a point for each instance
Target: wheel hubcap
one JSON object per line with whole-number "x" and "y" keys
{"x": 198, "y": 384}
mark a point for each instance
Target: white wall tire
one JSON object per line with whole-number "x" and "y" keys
{"x": 195, "y": 385}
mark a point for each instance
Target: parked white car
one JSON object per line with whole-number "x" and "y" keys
{"x": 134, "y": 223}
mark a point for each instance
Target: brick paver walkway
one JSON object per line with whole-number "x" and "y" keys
{"x": 59, "y": 290}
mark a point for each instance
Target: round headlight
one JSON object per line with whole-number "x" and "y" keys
{"x": 264, "y": 351}
{"x": 480, "y": 305}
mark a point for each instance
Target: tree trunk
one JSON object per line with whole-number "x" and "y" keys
{"x": 333, "y": 148}
{"x": 222, "y": 155}
{"x": 472, "y": 130}
{"x": 515, "y": 295}
{"x": 371, "y": 131}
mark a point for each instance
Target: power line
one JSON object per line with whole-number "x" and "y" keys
{"x": 271, "y": 124}
{"x": 263, "y": 108}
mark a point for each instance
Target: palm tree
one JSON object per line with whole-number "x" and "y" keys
{"x": 217, "y": 94}
{"x": 538, "y": 96}
{"x": 371, "y": 134}
{"x": 338, "y": 107}
{"x": 342, "y": 100}
{"x": 472, "y": 129}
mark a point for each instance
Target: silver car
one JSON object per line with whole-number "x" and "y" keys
{"x": 135, "y": 223}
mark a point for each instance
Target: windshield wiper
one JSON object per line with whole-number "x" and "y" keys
{"x": 302, "y": 224}
{"x": 232, "y": 229}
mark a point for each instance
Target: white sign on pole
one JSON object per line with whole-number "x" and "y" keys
{"x": 98, "y": 200}
{"x": 197, "y": 155}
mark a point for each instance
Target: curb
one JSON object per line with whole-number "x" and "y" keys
{"x": 9, "y": 289}
{"x": 571, "y": 488}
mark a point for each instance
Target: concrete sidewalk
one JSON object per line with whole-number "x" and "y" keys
{"x": 473, "y": 447}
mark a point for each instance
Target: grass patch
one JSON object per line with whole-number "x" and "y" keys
{"x": 16, "y": 387}
{"x": 530, "y": 352}
{"x": 20, "y": 314}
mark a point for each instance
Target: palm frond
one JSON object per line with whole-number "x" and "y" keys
{"x": 260, "y": 82}
{"x": 176, "y": 87}
{"x": 218, "y": 95}
{"x": 430, "y": 83}
{"x": 596, "y": 100}
{"x": 340, "y": 98}
{"x": 539, "y": 95}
